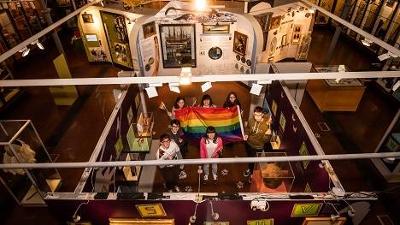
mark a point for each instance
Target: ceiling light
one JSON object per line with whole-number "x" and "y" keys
{"x": 186, "y": 76}
{"x": 206, "y": 86}
{"x": 25, "y": 51}
{"x": 200, "y": 5}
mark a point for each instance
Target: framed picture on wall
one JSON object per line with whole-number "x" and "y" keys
{"x": 87, "y": 18}
{"x": 282, "y": 122}
{"x": 178, "y": 45}
{"x": 275, "y": 22}
{"x": 324, "y": 221}
{"x": 239, "y": 43}
{"x": 149, "y": 29}
{"x": 151, "y": 210}
{"x": 296, "y": 34}
{"x": 216, "y": 29}
{"x": 284, "y": 41}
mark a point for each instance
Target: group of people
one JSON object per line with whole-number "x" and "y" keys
{"x": 174, "y": 146}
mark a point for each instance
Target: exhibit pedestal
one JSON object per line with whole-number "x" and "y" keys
{"x": 274, "y": 176}
{"x": 20, "y": 143}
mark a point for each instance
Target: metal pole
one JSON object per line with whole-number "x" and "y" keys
{"x": 200, "y": 161}
{"x": 203, "y": 78}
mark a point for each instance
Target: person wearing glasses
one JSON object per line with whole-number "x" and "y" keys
{"x": 257, "y": 133}
{"x": 210, "y": 147}
{"x": 177, "y": 135}
{"x": 169, "y": 150}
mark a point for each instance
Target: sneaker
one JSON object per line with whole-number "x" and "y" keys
{"x": 215, "y": 177}
{"x": 177, "y": 189}
{"x": 246, "y": 173}
{"x": 206, "y": 177}
{"x": 182, "y": 175}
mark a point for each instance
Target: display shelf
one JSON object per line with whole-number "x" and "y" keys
{"x": 20, "y": 143}
{"x": 273, "y": 176}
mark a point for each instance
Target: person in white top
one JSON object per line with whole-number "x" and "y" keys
{"x": 210, "y": 147}
{"x": 169, "y": 150}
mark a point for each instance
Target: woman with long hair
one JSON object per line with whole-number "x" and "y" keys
{"x": 231, "y": 101}
{"x": 206, "y": 102}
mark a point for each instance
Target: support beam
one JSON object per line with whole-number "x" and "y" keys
{"x": 200, "y": 161}
{"x": 203, "y": 78}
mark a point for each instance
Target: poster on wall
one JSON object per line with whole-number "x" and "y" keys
{"x": 275, "y": 22}
{"x": 178, "y": 45}
{"x": 151, "y": 210}
{"x": 306, "y": 209}
{"x": 117, "y": 38}
{"x": 263, "y": 20}
{"x": 304, "y": 46}
{"x": 149, "y": 29}
{"x": 239, "y": 43}
{"x": 303, "y": 151}
{"x": 150, "y": 51}
{"x": 261, "y": 222}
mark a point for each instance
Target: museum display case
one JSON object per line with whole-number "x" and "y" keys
{"x": 20, "y": 143}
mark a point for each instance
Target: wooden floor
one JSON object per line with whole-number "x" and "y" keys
{"x": 72, "y": 132}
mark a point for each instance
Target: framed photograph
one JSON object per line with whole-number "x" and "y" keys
{"x": 282, "y": 122}
{"x": 261, "y": 222}
{"x": 151, "y": 210}
{"x": 216, "y": 29}
{"x": 178, "y": 45}
{"x": 275, "y": 22}
{"x": 284, "y": 41}
{"x": 87, "y": 18}
{"x": 239, "y": 43}
{"x": 149, "y": 29}
{"x": 128, "y": 221}
{"x": 324, "y": 221}
{"x": 296, "y": 34}
{"x": 306, "y": 209}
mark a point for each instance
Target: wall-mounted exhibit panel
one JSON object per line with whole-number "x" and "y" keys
{"x": 286, "y": 32}
{"x": 117, "y": 37}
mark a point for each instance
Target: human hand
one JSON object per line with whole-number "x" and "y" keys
{"x": 245, "y": 137}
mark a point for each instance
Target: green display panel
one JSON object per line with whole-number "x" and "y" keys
{"x": 306, "y": 209}
{"x": 117, "y": 38}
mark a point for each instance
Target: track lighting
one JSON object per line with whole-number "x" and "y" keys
{"x": 25, "y": 51}
{"x": 366, "y": 42}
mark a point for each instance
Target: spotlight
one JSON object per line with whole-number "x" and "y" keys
{"x": 366, "y": 42}
{"x": 389, "y": 160}
{"x": 341, "y": 68}
{"x": 76, "y": 218}
{"x": 351, "y": 212}
{"x": 192, "y": 219}
{"x": 337, "y": 80}
{"x": 215, "y": 216}
{"x": 321, "y": 165}
{"x": 206, "y": 86}
{"x": 25, "y": 51}
{"x": 338, "y": 192}
{"x": 334, "y": 217}
{"x": 38, "y": 44}
{"x": 186, "y": 76}
{"x": 200, "y": 5}
{"x": 312, "y": 10}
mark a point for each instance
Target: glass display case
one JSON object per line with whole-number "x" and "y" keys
{"x": 20, "y": 143}
{"x": 273, "y": 176}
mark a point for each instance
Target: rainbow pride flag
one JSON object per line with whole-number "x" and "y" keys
{"x": 227, "y": 122}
